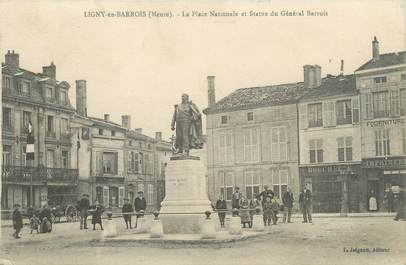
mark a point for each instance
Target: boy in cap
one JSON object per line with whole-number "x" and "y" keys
{"x": 140, "y": 204}
{"x": 17, "y": 220}
{"x": 127, "y": 211}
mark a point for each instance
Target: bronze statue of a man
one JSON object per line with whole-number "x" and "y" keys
{"x": 188, "y": 123}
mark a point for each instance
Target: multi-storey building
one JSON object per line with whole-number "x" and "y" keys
{"x": 38, "y": 101}
{"x": 252, "y": 140}
{"x": 382, "y": 84}
{"x": 330, "y": 142}
{"x": 114, "y": 161}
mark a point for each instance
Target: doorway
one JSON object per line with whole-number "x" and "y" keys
{"x": 373, "y": 185}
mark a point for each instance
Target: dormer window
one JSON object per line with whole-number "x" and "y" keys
{"x": 403, "y": 77}
{"x": 250, "y": 116}
{"x": 113, "y": 133}
{"x": 26, "y": 88}
{"x": 49, "y": 93}
{"x": 380, "y": 79}
{"x": 63, "y": 97}
{"x": 100, "y": 131}
{"x": 224, "y": 119}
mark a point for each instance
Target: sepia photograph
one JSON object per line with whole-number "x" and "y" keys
{"x": 203, "y": 133}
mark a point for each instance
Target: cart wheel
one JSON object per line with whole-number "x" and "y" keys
{"x": 71, "y": 213}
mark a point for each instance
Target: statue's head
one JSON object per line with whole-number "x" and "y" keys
{"x": 185, "y": 98}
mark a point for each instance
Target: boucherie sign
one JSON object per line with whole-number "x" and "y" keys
{"x": 386, "y": 122}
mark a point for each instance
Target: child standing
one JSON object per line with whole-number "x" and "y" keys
{"x": 267, "y": 210}
{"x": 275, "y": 209}
{"x": 97, "y": 211}
{"x": 127, "y": 211}
{"x": 17, "y": 221}
{"x": 34, "y": 223}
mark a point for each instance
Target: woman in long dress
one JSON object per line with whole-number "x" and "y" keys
{"x": 373, "y": 204}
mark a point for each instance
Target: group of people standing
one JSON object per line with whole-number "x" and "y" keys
{"x": 266, "y": 201}
{"x": 40, "y": 220}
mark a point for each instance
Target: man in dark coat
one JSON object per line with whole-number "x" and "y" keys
{"x": 287, "y": 200}
{"x": 265, "y": 193}
{"x": 127, "y": 211}
{"x": 17, "y": 221}
{"x": 235, "y": 199}
{"x": 84, "y": 205}
{"x": 140, "y": 205}
{"x": 221, "y": 207}
{"x": 307, "y": 205}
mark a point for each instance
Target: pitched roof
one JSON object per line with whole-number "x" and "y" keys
{"x": 254, "y": 97}
{"x": 138, "y": 136}
{"x": 103, "y": 122}
{"x": 36, "y": 93}
{"x": 331, "y": 86}
{"x": 387, "y": 59}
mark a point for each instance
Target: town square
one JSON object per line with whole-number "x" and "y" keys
{"x": 135, "y": 134}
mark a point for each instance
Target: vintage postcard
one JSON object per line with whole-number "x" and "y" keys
{"x": 209, "y": 132}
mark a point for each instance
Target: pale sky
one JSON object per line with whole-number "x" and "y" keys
{"x": 141, "y": 66}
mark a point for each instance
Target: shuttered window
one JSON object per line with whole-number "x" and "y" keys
{"x": 368, "y": 108}
{"x": 303, "y": 117}
{"x": 381, "y": 104}
{"x": 106, "y": 197}
{"x": 252, "y": 183}
{"x": 355, "y": 110}
{"x": 226, "y": 183}
{"x": 279, "y": 143}
{"x": 402, "y": 97}
{"x": 344, "y": 148}
{"x": 382, "y": 142}
{"x": 314, "y": 114}
{"x": 251, "y": 144}
{"x": 344, "y": 113}
{"x": 316, "y": 150}
{"x": 394, "y": 102}
{"x": 329, "y": 114}
{"x": 225, "y": 147}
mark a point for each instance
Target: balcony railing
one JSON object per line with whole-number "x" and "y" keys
{"x": 38, "y": 175}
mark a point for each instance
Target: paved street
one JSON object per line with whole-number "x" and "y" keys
{"x": 322, "y": 242}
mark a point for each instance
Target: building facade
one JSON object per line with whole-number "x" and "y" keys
{"x": 252, "y": 140}
{"x": 38, "y": 103}
{"x": 115, "y": 161}
{"x": 382, "y": 84}
{"x": 330, "y": 143}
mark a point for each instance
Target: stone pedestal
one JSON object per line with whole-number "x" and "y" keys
{"x": 156, "y": 230}
{"x": 186, "y": 197}
{"x": 208, "y": 229}
{"x": 110, "y": 228}
{"x": 142, "y": 225}
{"x": 235, "y": 226}
{"x": 258, "y": 223}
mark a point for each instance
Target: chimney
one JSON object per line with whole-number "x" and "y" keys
{"x": 107, "y": 117}
{"x": 126, "y": 121}
{"x": 311, "y": 76}
{"x": 49, "y": 70}
{"x": 12, "y": 59}
{"x": 317, "y": 75}
{"x": 342, "y": 67}
{"x": 375, "y": 49}
{"x": 138, "y": 130}
{"x": 211, "y": 91}
{"x": 158, "y": 136}
{"x": 81, "y": 98}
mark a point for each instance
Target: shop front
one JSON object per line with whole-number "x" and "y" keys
{"x": 381, "y": 176}
{"x": 335, "y": 187}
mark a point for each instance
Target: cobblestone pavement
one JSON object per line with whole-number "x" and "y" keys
{"x": 326, "y": 241}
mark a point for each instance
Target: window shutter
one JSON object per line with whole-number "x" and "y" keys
{"x": 239, "y": 140}
{"x": 106, "y": 196}
{"x": 355, "y": 110}
{"x": 394, "y": 103}
{"x": 266, "y": 146}
{"x": 326, "y": 116}
{"x": 99, "y": 163}
{"x": 120, "y": 196}
{"x": 303, "y": 116}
